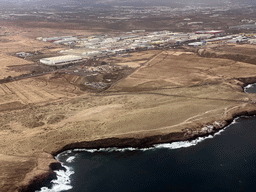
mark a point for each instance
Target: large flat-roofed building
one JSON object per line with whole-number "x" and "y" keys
{"x": 138, "y": 31}
{"x": 195, "y": 44}
{"x": 252, "y": 41}
{"x": 212, "y": 32}
{"x": 60, "y": 60}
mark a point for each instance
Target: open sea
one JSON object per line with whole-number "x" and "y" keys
{"x": 223, "y": 162}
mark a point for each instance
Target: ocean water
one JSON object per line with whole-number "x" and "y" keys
{"x": 251, "y": 88}
{"x": 223, "y": 162}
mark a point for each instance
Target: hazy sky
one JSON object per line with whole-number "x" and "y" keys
{"x": 136, "y": 2}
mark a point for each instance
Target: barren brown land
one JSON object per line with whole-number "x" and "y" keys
{"x": 170, "y": 96}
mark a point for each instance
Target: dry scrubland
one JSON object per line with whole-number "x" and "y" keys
{"x": 133, "y": 60}
{"x": 14, "y": 39}
{"x": 172, "y": 90}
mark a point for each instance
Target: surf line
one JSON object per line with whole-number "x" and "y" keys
{"x": 63, "y": 181}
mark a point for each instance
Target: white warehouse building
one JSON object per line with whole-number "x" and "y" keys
{"x": 60, "y": 60}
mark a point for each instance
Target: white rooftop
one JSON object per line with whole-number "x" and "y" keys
{"x": 59, "y": 59}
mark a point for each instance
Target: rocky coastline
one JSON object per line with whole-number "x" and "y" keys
{"x": 146, "y": 142}
{"x": 137, "y": 141}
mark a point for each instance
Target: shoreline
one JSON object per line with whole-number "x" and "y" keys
{"x": 37, "y": 182}
{"x": 150, "y": 141}
{"x": 140, "y": 142}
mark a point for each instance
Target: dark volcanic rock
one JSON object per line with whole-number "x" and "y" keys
{"x": 125, "y": 142}
{"x": 57, "y": 166}
{"x": 38, "y": 182}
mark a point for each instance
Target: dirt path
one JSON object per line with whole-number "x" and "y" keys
{"x": 170, "y": 93}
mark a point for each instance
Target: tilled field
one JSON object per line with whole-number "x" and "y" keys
{"x": 36, "y": 90}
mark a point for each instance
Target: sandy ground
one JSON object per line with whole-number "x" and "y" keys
{"x": 248, "y": 49}
{"x": 167, "y": 68}
{"x": 133, "y": 64}
{"x": 17, "y": 41}
{"x": 7, "y": 60}
{"x": 136, "y": 57}
{"x": 170, "y": 92}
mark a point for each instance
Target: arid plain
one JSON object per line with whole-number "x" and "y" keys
{"x": 171, "y": 91}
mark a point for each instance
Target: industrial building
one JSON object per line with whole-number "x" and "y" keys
{"x": 220, "y": 39}
{"x": 216, "y": 33}
{"x": 195, "y": 44}
{"x": 252, "y": 41}
{"x": 105, "y": 45}
{"x": 66, "y": 40}
{"x": 60, "y": 60}
{"x": 238, "y": 39}
{"x": 53, "y": 39}
{"x": 91, "y": 53}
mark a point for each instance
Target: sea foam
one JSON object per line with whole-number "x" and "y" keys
{"x": 62, "y": 183}
{"x": 173, "y": 145}
{"x": 249, "y": 86}
{"x": 70, "y": 159}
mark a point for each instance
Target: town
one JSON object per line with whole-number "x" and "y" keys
{"x": 89, "y": 56}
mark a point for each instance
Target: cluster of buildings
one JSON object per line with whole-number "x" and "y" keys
{"x": 97, "y": 85}
{"x": 219, "y": 36}
{"x": 66, "y": 40}
{"x": 106, "y": 45}
{"x": 101, "y": 69}
{"x": 60, "y": 60}
{"x": 216, "y": 33}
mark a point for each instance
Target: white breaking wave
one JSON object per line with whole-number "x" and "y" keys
{"x": 110, "y": 149}
{"x": 249, "y": 86}
{"x": 185, "y": 144}
{"x": 62, "y": 183}
{"x": 70, "y": 159}
{"x": 173, "y": 145}
{"x": 182, "y": 144}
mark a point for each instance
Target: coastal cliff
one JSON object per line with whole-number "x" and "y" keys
{"x": 173, "y": 97}
{"x": 38, "y": 181}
